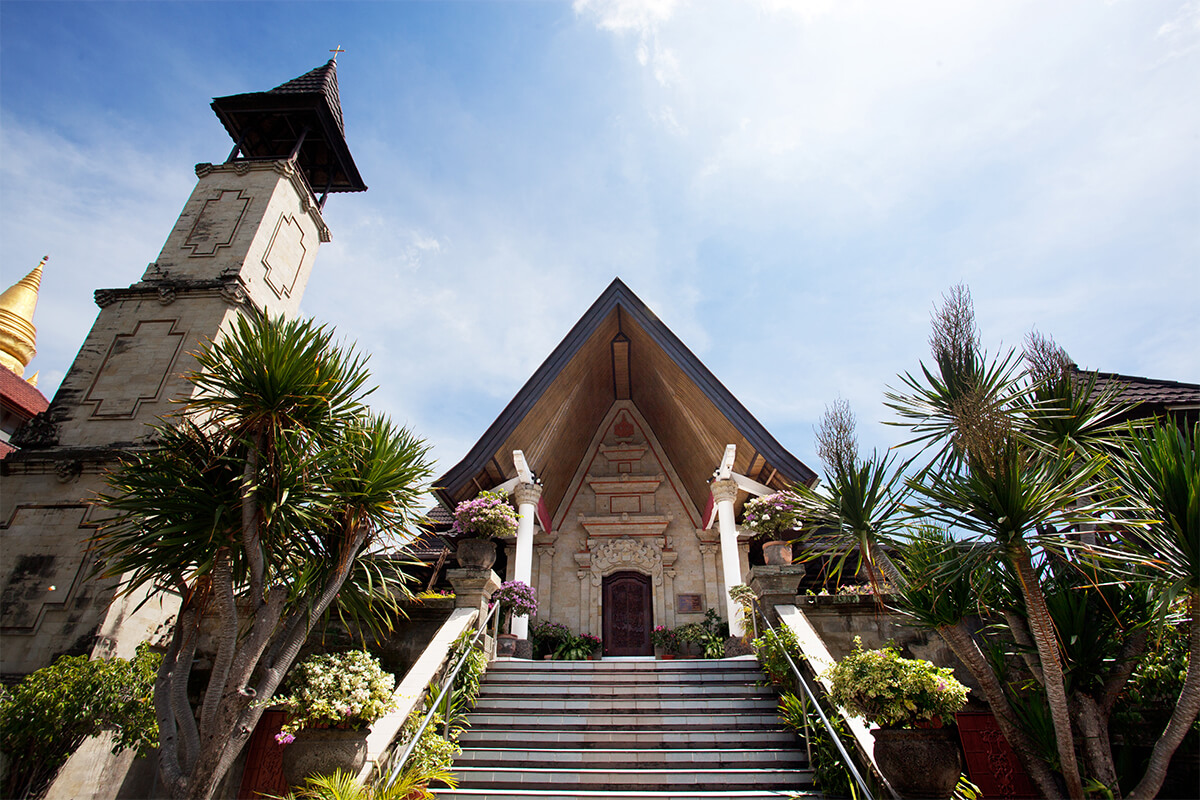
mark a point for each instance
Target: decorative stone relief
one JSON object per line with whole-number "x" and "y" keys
{"x": 233, "y": 293}
{"x": 284, "y": 256}
{"x": 39, "y": 432}
{"x": 166, "y": 295}
{"x": 67, "y": 471}
{"x": 134, "y": 369}
{"x": 104, "y": 297}
{"x": 618, "y": 554}
{"x": 217, "y": 222}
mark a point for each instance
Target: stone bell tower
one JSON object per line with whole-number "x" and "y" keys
{"x": 247, "y": 238}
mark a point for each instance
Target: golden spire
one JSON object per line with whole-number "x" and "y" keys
{"x": 17, "y": 334}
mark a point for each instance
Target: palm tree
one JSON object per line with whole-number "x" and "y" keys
{"x": 256, "y": 507}
{"x": 1161, "y": 469}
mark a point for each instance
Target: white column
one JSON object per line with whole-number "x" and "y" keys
{"x": 724, "y": 492}
{"x": 526, "y": 495}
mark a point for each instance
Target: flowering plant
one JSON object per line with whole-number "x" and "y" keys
{"x": 517, "y": 598}
{"x": 488, "y": 515}
{"x": 339, "y": 690}
{"x": 893, "y": 692}
{"x": 773, "y": 514}
{"x": 666, "y": 638}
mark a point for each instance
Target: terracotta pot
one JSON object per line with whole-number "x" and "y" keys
{"x": 667, "y": 656}
{"x": 919, "y": 763}
{"x": 777, "y": 553}
{"x": 322, "y": 751}
{"x": 476, "y": 553}
{"x": 507, "y": 645}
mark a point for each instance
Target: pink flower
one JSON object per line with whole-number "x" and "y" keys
{"x": 285, "y": 738}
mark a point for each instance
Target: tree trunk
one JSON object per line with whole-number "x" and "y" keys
{"x": 1097, "y": 748}
{"x": 1182, "y": 717}
{"x": 1041, "y": 627}
{"x": 960, "y": 641}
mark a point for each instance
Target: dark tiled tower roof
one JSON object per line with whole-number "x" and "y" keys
{"x": 303, "y": 113}
{"x": 322, "y": 80}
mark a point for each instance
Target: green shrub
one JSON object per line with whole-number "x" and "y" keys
{"x": 893, "y": 692}
{"x": 45, "y": 717}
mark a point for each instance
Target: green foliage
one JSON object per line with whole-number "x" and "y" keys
{"x": 345, "y": 786}
{"x": 546, "y": 637}
{"x": 45, "y": 717}
{"x": 256, "y": 505}
{"x": 772, "y": 648}
{"x": 829, "y": 771}
{"x": 893, "y": 692}
{"x": 666, "y": 638}
{"x": 337, "y": 690}
{"x": 709, "y": 635}
{"x": 462, "y": 696}
{"x": 433, "y": 757}
{"x": 577, "y": 648}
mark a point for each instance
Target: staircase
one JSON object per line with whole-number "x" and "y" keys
{"x": 628, "y": 729}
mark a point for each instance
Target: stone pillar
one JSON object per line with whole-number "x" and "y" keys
{"x": 472, "y": 588}
{"x": 526, "y": 495}
{"x": 775, "y": 585}
{"x": 708, "y": 553}
{"x": 724, "y": 493}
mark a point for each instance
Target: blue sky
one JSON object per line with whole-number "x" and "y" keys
{"x": 790, "y": 185}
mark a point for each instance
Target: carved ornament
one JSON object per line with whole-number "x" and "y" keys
{"x": 614, "y": 555}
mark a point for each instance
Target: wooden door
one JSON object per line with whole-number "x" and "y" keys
{"x": 627, "y": 615}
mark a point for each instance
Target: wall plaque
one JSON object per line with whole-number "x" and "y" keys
{"x": 688, "y": 604}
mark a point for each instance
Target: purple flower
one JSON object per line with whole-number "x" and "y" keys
{"x": 285, "y": 738}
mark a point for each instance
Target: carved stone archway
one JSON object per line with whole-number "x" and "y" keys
{"x": 629, "y": 554}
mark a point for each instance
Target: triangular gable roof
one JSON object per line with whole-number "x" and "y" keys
{"x": 619, "y": 349}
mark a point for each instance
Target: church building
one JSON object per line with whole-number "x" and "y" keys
{"x": 629, "y": 461}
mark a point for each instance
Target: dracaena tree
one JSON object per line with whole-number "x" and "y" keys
{"x": 1057, "y": 506}
{"x": 256, "y": 506}
{"x": 1066, "y": 527}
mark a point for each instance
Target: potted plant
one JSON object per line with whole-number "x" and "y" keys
{"x": 667, "y": 640}
{"x": 909, "y": 700}
{"x": 577, "y": 648}
{"x": 773, "y": 518}
{"x": 709, "y": 636}
{"x": 547, "y": 637}
{"x": 477, "y": 521}
{"x": 516, "y": 599}
{"x": 333, "y": 700}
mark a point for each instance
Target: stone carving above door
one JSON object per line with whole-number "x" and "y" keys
{"x": 614, "y": 555}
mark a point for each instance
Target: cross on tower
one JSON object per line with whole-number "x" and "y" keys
{"x": 337, "y": 50}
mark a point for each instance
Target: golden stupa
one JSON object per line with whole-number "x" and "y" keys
{"x": 17, "y": 334}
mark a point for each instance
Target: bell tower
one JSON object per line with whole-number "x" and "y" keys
{"x": 247, "y": 238}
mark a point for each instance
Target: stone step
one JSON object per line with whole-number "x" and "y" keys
{"x": 642, "y": 678}
{"x": 517, "y": 738}
{"x": 551, "y": 794}
{"x": 611, "y": 664}
{"x": 657, "y": 758}
{"x": 488, "y": 704}
{"x": 664, "y": 690}
{"x": 702, "y": 720}
{"x": 631, "y": 779}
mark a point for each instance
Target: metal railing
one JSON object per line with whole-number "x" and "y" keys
{"x": 447, "y": 686}
{"x": 810, "y": 697}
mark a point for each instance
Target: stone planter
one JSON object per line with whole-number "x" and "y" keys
{"x": 476, "y": 553}
{"x": 506, "y": 647}
{"x": 777, "y": 553}
{"x": 919, "y": 762}
{"x": 322, "y": 751}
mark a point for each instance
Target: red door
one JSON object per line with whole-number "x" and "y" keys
{"x": 627, "y": 616}
{"x": 263, "y": 774}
